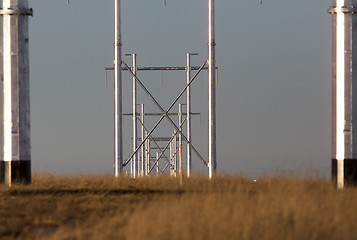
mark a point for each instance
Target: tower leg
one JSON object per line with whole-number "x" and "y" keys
{"x": 15, "y": 172}
{"x": 344, "y": 173}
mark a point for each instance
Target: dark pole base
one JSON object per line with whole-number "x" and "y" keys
{"x": 349, "y": 172}
{"x": 20, "y": 172}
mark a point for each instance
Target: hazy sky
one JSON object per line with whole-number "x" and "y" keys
{"x": 273, "y": 96}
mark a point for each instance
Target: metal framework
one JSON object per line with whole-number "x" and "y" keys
{"x": 118, "y": 142}
{"x": 164, "y": 114}
{"x": 145, "y": 140}
{"x": 169, "y": 141}
{"x": 172, "y": 142}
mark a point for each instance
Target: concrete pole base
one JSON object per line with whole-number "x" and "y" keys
{"x": 349, "y": 172}
{"x": 15, "y": 172}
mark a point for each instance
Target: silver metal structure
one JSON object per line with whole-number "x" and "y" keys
{"x": 118, "y": 131}
{"x": 15, "y": 162}
{"x": 143, "y": 158}
{"x": 148, "y": 153}
{"x": 157, "y": 164}
{"x": 187, "y": 69}
{"x": 155, "y": 142}
{"x": 174, "y": 160}
{"x": 165, "y": 113}
{"x": 171, "y": 155}
{"x": 160, "y": 114}
{"x": 135, "y": 160}
{"x": 212, "y": 161}
{"x": 179, "y": 114}
{"x": 118, "y": 153}
{"x": 160, "y": 68}
{"x": 188, "y": 109}
{"x": 178, "y": 166}
{"x": 344, "y": 84}
{"x": 169, "y": 140}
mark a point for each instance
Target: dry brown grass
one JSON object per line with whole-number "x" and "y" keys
{"x": 230, "y": 207}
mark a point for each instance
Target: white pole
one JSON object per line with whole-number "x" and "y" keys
{"x": 340, "y": 89}
{"x": 134, "y": 160}
{"x": 171, "y": 156}
{"x": 143, "y": 162}
{"x": 148, "y": 154}
{"x": 188, "y": 115}
{"x": 118, "y": 142}
{"x": 188, "y": 109}
{"x": 178, "y": 166}
{"x": 344, "y": 155}
{"x": 157, "y": 163}
{"x": 175, "y": 155}
{"x": 15, "y": 165}
{"x": 212, "y": 162}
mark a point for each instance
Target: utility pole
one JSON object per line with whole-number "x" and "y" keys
{"x": 118, "y": 131}
{"x": 344, "y": 85}
{"x": 212, "y": 161}
{"x": 15, "y": 163}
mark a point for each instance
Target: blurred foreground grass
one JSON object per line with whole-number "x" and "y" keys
{"x": 228, "y": 207}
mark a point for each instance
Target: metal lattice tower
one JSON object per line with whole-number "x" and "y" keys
{"x": 119, "y": 162}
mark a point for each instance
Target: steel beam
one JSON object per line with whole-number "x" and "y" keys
{"x": 159, "y": 68}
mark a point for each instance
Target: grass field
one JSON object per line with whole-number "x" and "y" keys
{"x": 228, "y": 207}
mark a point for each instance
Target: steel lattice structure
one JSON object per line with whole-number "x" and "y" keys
{"x": 119, "y": 65}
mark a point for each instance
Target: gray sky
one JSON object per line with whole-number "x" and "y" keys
{"x": 273, "y": 97}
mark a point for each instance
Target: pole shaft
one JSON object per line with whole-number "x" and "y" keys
{"x": 188, "y": 109}
{"x": 148, "y": 154}
{"x": 181, "y": 166}
{"x": 180, "y": 138}
{"x": 212, "y": 163}
{"x": 157, "y": 164}
{"x": 344, "y": 85}
{"x": 171, "y": 156}
{"x": 134, "y": 160}
{"x": 15, "y": 165}
{"x": 118, "y": 141}
{"x": 143, "y": 162}
{"x": 340, "y": 93}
